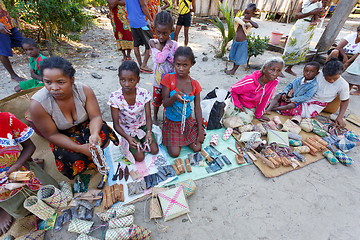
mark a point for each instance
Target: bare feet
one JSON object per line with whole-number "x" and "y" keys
{"x": 39, "y": 162}
{"x": 355, "y": 92}
{"x": 17, "y": 88}
{"x": 16, "y": 78}
{"x": 267, "y": 112}
{"x": 290, "y": 71}
{"x": 230, "y": 72}
{"x": 5, "y": 221}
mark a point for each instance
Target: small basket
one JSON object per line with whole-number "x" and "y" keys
{"x": 65, "y": 187}
{"x": 37, "y": 207}
{"x": 53, "y": 196}
{"x": 37, "y": 235}
{"x": 118, "y": 233}
{"x": 121, "y": 222}
{"x": 32, "y": 125}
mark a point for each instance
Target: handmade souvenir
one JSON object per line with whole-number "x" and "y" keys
{"x": 214, "y": 139}
{"x": 276, "y": 119}
{"x": 246, "y": 128}
{"x": 273, "y": 157}
{"x": 352, "y": 137}
{"x": 232, "y": 122}
{"x": 260, "y": 128}
{"x": 246, "y": 136}
{"x": 81, "y": 212}
{"x": 139, "y": 233}
{"x": 272, "y": 125}
{"x": 118, "y": 233}
{"x": 345, "y": 144}
{"x": 173, "y": 203}
{"x": 302, "y": 149}
{"x": 226, "y": 160}
{"x": 80, "y": 226}
{"x": 239, "y": 158}
{"x": 295, "y": 143}
{"x": 314, "y": 144}
{"x": 188, "y": 186}
{"x": 37, "y": 235}
{"x": 332, "y": 140}
{"x": 121, "y": 222}
{"x": 187, "y": 165}
{"x": 191, "y": 158}
{"x": 330, "y": 157}
{"x": 212, "y": 151}
{"x": 107, "y": 199}
{"x": 219, "y": 162}
{"x": 343, "y": 158}
{"x": 206, "y": 155}
{"x": 135, "y": 188}
{"x": 291, "y": 126}
{"x": 135, "y": 175}
{"x": 263, "y": 159}
{"x": 226, "y": 135}
{"x": 318, "y": 129}
{"x": 117, "y": 211}
{"x": 298, "y": 156}
{"x": 281, "y": 138}
{"x": 154, "y": 208}
{"x": 180, "y": 165}
{"x": 89, "y": 214}
{"x": 266, "y": 126}
{"x": 84, "y": 236}
{"x": 320, "y": 140}
{"x": 313, "y": 150}
{"x": 65, "y": 187}
{"x": 52, "y": 196}
{"x": 294, "y": 136}
{"x": 296, "y": 119}
{"x": 37, "y": 207}
{"x": 176, "y": 169}
{"x": 23, "y": 226}
{"x": 306, "y": 124}
{"x": 156, "y": 190}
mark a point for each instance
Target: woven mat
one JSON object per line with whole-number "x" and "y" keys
{"x": 270, "y": 173}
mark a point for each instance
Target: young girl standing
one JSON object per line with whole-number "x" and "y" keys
{"x": 178, "y": 90}
{"x": 162, "y": 49}
{"x": 131, "y": 114}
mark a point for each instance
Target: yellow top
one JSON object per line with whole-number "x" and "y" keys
{"x": 184, "y": 6}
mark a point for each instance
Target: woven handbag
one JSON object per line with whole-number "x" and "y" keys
{"x": 281, "y": 138}
{"x": 37, "y": 235}
{"x": 296, "y": 119}
{"x": 295, "y": 143}
{"x": 154, "y": 208}
{"x": 52, "y": 196}
{"x": 84, "y": 236}
{"x": 118, "y": 233}
{"x": 80, "y": 226}
{"x": 65, "y": 187}
{"x": 345, "y": 144}
{"x": 23, "y": 226}
{"x": 121, "y": 222}
{"x": 139, "y": 233}
{"x": 302, "y": 149}
{"x": 292, "y": 127}
{"x": 37, "y": 207}
{"x": 343, "y": 158}
{"x": 232, "y": 122}
{"x": 306, "y": 125}
{"x": 352, "y": 137}
{"x": 117, "y": 211}
{"x": 189, "y": 187}
{"x": 330, "y": 157}
{"x": 173, "y": 203}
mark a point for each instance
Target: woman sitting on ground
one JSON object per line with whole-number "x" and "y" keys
{"x": 251, "y": 95}
{"x": 68, "y": 115}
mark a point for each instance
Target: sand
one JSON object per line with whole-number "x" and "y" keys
{"x": 316, "y": 202}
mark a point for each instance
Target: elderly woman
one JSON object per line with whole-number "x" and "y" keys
{"x": 251, "y": 95}
{"x": 300, "y": 36}
{"x": 68, "y": 115}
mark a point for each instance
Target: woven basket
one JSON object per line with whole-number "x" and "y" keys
{"x": 23, "y": 226}
{"x": 52, "y": 196}
{"x": 80, "y": 226}
{"x": 139, "y": 233}
{"x": 118, "y": 233}
{"x": 65, "y": 187}
{"x": 37, "y": 235}
{"x": 189, "y": 187}
{"x": 84, "y": 236}
{"x": 34, "y": 205}
{"x": 121, "y": 222}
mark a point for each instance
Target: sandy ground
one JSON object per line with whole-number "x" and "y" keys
{"x": 316, "y": 202}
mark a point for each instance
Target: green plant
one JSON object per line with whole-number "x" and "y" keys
{"x": 256, "y": 46}
{"x": 230, "y": 34}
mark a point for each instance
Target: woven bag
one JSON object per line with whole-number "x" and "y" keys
{"x": 306, "y": 125}
{"x": 80, "y": 226}
{"x": 295, "y": 143}
{"x": 84, "y": 236}
{"x": 117, "y": 211}
{"x": 37, "y": 235}
{"x": 154, "y": 208}
{"x": 23, "y": 226}
{"x": 352, "y": 137}
{"x": 139, "y": 233}
{"x": 173, "y": 203}
{"x": 272, "y": 125}
{"x": 345, "y": 144}
{"x": 343, "y": 158}
{"x": 118, "y": 233}
{"x": 296, "y": 119}
{"x": 302, "y": 149}
{"x": 121, "y": 222}
{"x": 37, "y": 207}
{"x": 291, "y": 126}
{"x": 330, "y": 157}
{"x": 65, "y": 187}
{"x": 232, "y": 122}
{"x": 189, "y": 187}
{"x": 52, "y": 196}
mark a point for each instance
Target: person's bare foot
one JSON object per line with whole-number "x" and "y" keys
{"x": 281, "y": 75}
{"x": 39, "y": 162}
{"x": 355, "y": 92}
{"x": 17, "y": 88}
{"x": 16, "y": 78}
{"x": 290, "y": 72}
{"x": 230, "y": 72}
{"x": 5, "y": 221}
{"x": 267, "y": 112}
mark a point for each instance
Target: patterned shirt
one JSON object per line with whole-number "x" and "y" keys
{"x": 5, "y": 17}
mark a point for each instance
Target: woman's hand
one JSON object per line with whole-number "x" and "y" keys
{"x": 180, "y": 97}
{"x": 84, "y": 149}
{"x": 148, "y": 138}
{"x": 264, "y": 118}
{"x": 316, "y": 11}
{"x": 94, "y": 139}
{"x": 340, "y": 122}
{"x": 14, "y": 168}
{"x": 200, "y": 138}
{"x": 132, "y": 142}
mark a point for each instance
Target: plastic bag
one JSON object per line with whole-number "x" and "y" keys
{"x": 212, "y": 107}
{"x": 158, "y": 133}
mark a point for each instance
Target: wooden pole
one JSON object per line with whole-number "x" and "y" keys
{"x": 335, "y": 24}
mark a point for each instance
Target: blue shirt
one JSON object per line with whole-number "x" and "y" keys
{"x": 302, "y": 92}
{"x": 174, "y": 112}
{"x": 135, "y": 14}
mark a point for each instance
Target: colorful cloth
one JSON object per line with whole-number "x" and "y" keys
{"x": 249, "y": 93}
{"x": 35, "y": 63}
{"x": 163, "y": 61}
{"x": 72, "y": 163}
{"x": 153, "y": 7}
{"x": 32, "y": 83}
{"x": 131, "y": 117}
{"x": 239, "y": 52}
{"x": 5, "y": 17}
{"x": 13, "y": 132}
{"x": 121, "y": 28}
{"x": 298, "y": 42}
{"x": 172, "y": 136}
{"x": 293, "y": 111}
{"x": 174, "y": 112}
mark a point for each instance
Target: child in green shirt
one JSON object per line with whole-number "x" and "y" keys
{"x": 32, "y": 50}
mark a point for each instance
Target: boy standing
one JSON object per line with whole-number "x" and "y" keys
{"x": 36, "y": 59}
{"x": 184, "y": 18}
{"x": 140, "y": 30}
{"x": 239, "y": 48}
{"x": 10, "y": 37}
